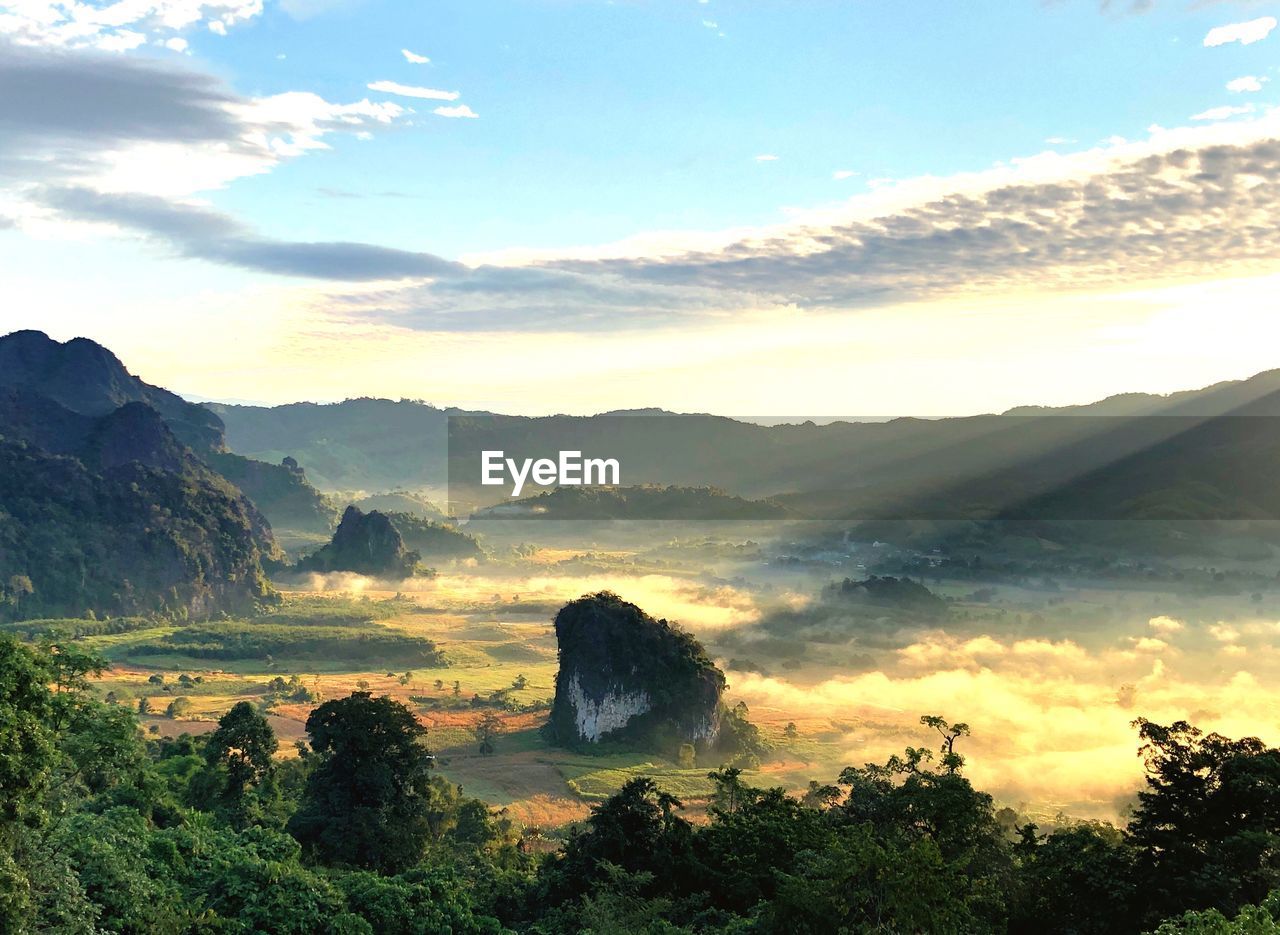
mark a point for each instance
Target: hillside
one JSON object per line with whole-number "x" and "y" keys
{"x": 85, "y": 378}
{"x": 113, "y": 515}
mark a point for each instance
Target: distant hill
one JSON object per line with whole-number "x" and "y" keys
{"x": 359, "y": 444}
{"x": 433, "y": 540}
{"x": 399, "y": 501}
{"x": 1132, "y": 456}
{"x": 635, "y": 503}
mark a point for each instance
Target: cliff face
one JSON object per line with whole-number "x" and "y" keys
{"x": 626, "y": 676}
{"x": 365, "y": 543}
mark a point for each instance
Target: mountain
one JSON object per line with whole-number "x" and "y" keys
{"x": 367, "y": 544}
{"x": 86, "y": 378}
{"x": 113, "y": 514}
{"x": 1132, "y": 456}
{"x": 359, "y": 444}
{"x": 625, "y": 676}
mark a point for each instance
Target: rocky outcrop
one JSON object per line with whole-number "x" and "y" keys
{"x": 367, "y": 544}
{"x": 627, "y": 677}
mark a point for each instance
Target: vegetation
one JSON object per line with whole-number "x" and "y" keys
{"x": 254, "y": 640}
{"x": 103, "y": 831}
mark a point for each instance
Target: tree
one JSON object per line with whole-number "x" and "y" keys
{"x": 178, "y": 707}
{"x": 26, "y": 739}
{"x": 791, "y": 732}
{"x": 406, "y": 678}
{"x": 144, "y": 705}
{"x": 368, "y": 802}
{"x": 20, "y": 588}
{"x": 240, "y": 750}
{"x": 1208, "y": 822}
{"x": 487, "y": 731}
{"x": 520, "y": 683}
{"x": 951, "y": 761}
{"x": 457, "y": 688}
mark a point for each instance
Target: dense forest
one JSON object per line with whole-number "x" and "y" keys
{"x": 104, "y": 829}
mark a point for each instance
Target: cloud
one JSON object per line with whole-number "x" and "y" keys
{"x": 1223, "y": 113}
{"x": 1246, "y": 84}
{"x": 1246, "y": 33}
{"x": 117, "y": 26}
{"x": 766, "y": 157}
{"x": 408, "y": 90}
{"x": 462, "y": 110}
{"x": 1180, "y": 205}
{"x": 131, "y": 124}
{"x": 414, "y": 58}
{"x": 841, "y": 174}
{"x": 1165, "y": 625}
{"x": 198, "y": 232}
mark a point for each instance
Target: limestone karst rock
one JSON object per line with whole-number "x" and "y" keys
{"x": 365, "y": 543}
{"x": 627, "y": 677}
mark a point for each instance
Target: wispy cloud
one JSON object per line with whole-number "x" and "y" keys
{"x": 841, "y": 174}
{"x": 201, "y": 233}
{"x": 766, "y": 157}
{"x": 414, "y": 58}
{"x": 461, "y": 110}
{"x": 1246, "y": 33}
{"x": 1223, "y": 113}
{"x": 409, "y": 90}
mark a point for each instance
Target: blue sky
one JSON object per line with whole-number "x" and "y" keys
{"x": 679, "y": 197}
{"x": 599, "y": 120}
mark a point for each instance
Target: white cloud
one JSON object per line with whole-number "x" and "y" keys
{"x": 1246, "y": 84}
{"x": 1059, "y": 140}
{"x": 176, "y": 44}
{"x": 116, "y": 26}
{"x": 414, "y": 58}
{"x": 766, "y": 157}
{"x": 461, "y": 110}
{"x": 408, "y": 90}
{"x": 1164, "y": 624}
{"x": 1224, "y": 112}
{"x": 841, "y": 174}
{"x": 1247, "y": 33}
{"x": 1224, "y": 633}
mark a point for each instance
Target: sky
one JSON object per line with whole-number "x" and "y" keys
{"x": 755, "y": 208}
